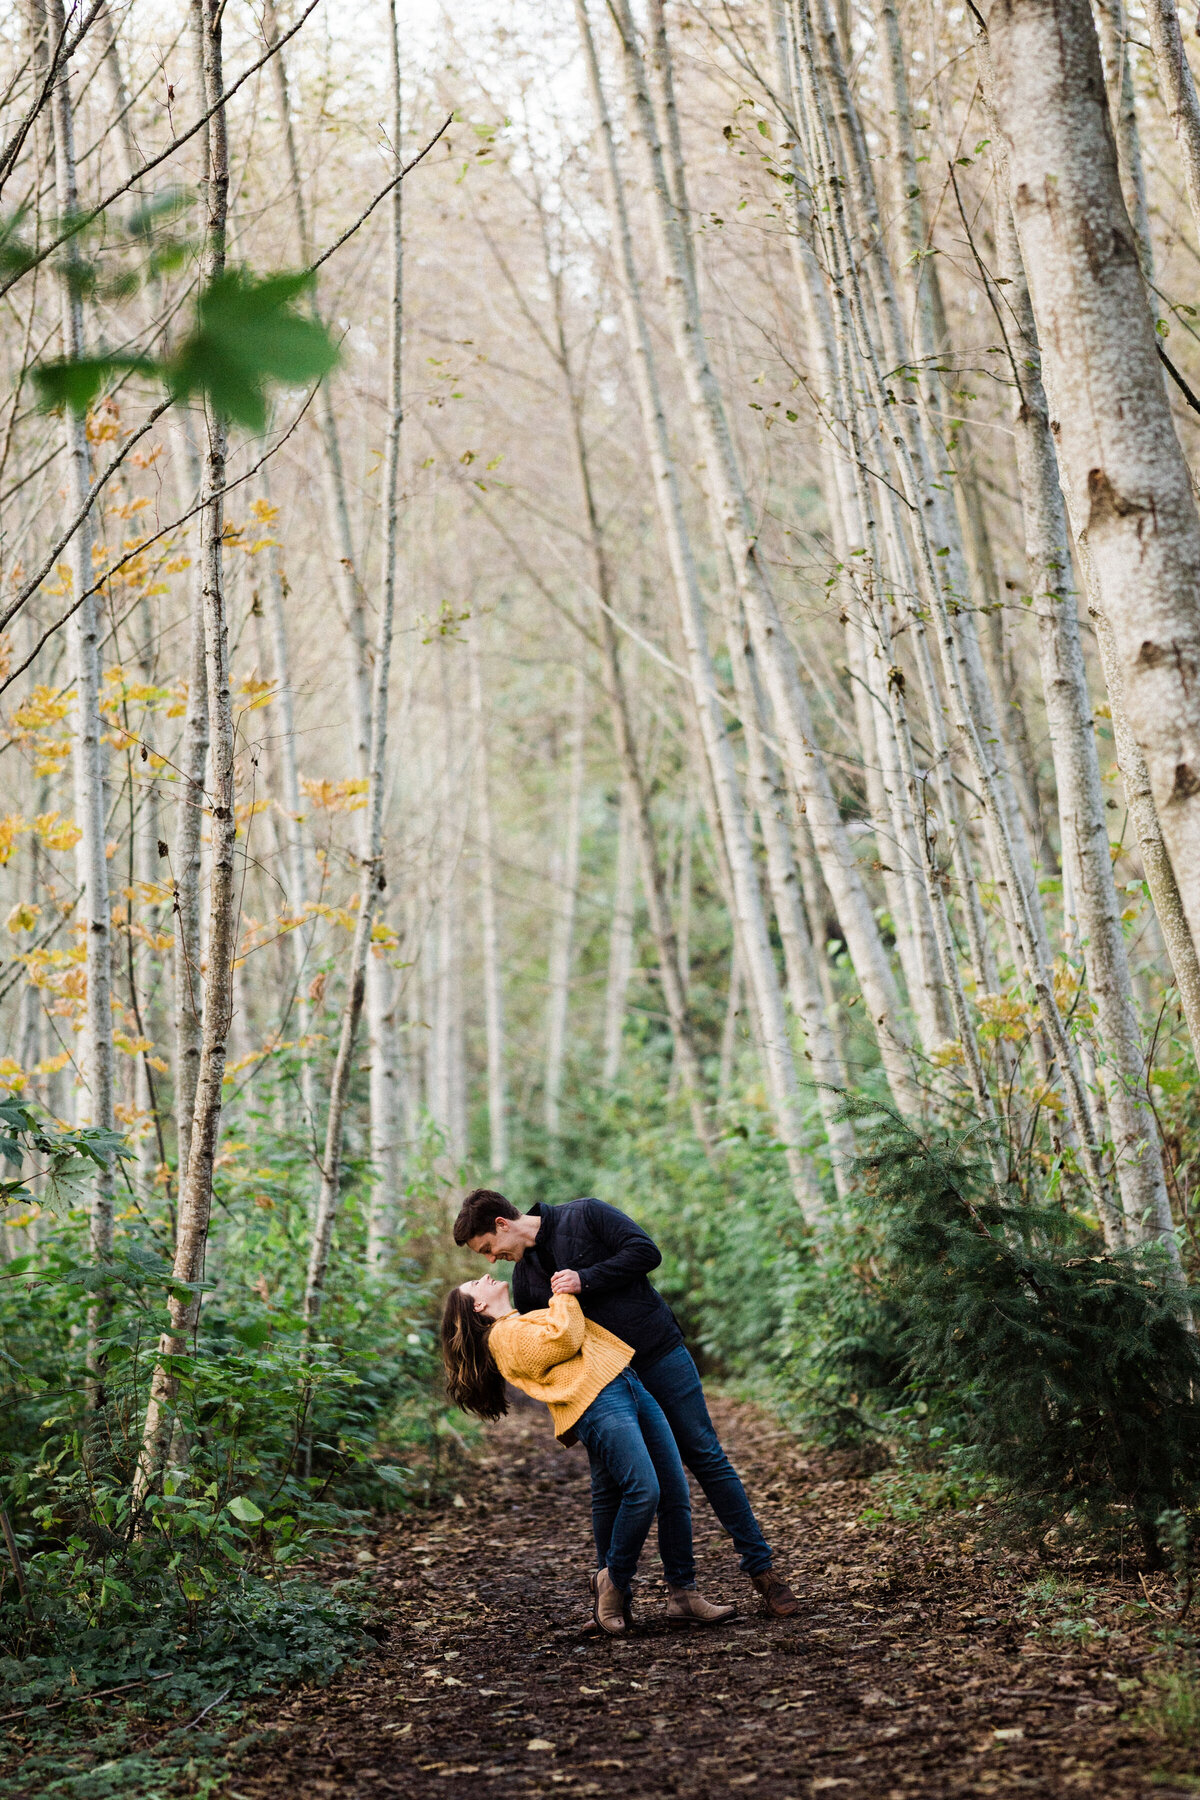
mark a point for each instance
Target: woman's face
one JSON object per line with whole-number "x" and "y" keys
{"x": 486, "y": 1292}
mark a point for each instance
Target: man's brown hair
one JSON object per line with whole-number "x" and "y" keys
{"x": 478, "y": 1214}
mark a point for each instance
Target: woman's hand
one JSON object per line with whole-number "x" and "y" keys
{"x": 565, "y": 1281}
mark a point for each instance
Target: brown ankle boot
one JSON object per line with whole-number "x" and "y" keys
{"x": 687, "y": 1607}
{"x": 608, "y": 1603}
{"x": 778, "y": 1597}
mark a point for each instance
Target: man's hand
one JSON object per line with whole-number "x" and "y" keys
{"x": 565, "y": 1281}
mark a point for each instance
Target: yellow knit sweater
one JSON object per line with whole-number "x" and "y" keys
{"x": 556, "y": 1355}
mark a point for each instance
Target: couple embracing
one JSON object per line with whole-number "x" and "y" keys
{"x": 585, "y": 1332}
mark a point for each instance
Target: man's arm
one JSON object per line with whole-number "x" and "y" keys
{"x": 631, "y": 1252}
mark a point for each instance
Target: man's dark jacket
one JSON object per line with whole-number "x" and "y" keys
{"x": 612, "y": 1257}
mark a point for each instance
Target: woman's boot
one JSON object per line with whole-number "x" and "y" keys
{"x": 608, "y": 1603}
{"x": 687, "y": 1606}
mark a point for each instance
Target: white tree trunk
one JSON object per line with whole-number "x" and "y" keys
{"x": 385, "y": 1104}
{"x": 876, "y": 301}
{"x": 1113, "y": 27}
{"x": 195, "y": 1200}
{"x": 493, "y": 979}
{"x": 962, "y": 668}
{"x": 731, "y": 1026}
{"x": 769, "y": 790}
{"x": 1178, "y": 89}
{"x": 294, "y": 833}
{"x": 385, "y": 1084}
{"x": 1123, "y": 471}
{"x": 671, "y": 964}
{"x": 1086, "y": 858}
{"x": 88, "y": 755}
{"x": 374, "y": 878}
{"x": 620, "y": 935}
{"x": 750, "y": 918}
{"x": 1147, "y": 827}
{"x": 776, "y": 657}
{"x": 351, "y": 599}
{"x": 565, "y": 863}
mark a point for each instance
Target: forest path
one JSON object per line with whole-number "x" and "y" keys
{"x": 911, "y": 1671}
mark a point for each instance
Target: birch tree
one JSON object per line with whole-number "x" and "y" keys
{"x": 1178, "y": 88}
{"x": 565, "y": 888}
{"x": 1123, "y": 472}
{"x": 195, "y": 1199}
{"x": 374, "y": 877}
{"x": 1077, "y": 769}
{"x": 775, "y": 654}
{"x": 751, "y": 923}
{"x": 489, "y": 926}
{"x": 88, "y": 752}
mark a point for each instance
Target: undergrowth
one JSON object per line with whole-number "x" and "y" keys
{"x": 206, "y": 1590}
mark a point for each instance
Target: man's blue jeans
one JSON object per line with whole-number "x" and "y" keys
{"x": 630, "y": 1446}
{"x": 674, "y": 1381}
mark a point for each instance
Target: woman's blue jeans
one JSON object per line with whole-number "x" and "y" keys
{"x": 674, "y": 1382}
{"x": 627, "y": 1436}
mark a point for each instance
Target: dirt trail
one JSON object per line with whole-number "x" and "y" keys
{"x": 911, "y": 1671}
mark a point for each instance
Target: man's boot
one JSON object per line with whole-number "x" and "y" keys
{"x": 608, "y": 1603}
{"x": 778, "y": 1597}
{"x": 686, "y": 1606}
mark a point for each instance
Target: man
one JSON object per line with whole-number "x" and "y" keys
{"x": 588, "y": 1248}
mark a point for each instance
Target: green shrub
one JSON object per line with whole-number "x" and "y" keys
{"x": 1071, "y": 1370}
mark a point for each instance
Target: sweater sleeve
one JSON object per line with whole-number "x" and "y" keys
{"x": 631, "y": 1251}
{"x": 530, "y": 1344}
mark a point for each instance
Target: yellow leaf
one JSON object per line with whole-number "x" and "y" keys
{"x": 12, "y": 1075}
{"x": 11, "y": 827}
{"x": 337, "y": 796}
{"x": 23, "y": 917}
{"x": 55, "y": 832}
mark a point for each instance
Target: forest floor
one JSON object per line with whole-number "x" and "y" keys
{"x": 924, "y": 1661}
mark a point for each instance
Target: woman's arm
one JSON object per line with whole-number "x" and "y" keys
{"x": 530, "y": 1344}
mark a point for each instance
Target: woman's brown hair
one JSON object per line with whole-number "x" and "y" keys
{"x": 472, "y": 1379}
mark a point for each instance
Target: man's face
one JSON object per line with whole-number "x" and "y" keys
{"x": 500, "y": 1244}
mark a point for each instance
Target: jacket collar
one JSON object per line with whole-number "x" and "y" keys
{"x": 548, "y": 1216}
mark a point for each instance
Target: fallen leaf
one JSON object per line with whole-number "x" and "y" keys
{"x": 539, "y": 1744}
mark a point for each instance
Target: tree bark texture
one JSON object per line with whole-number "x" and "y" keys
{"x": 195, "y": 1200}
{"x": 1086, "y": 856}
{"x": 374, "y": 877}
{"x": 88, "y": 754}
{"x": 566, "y": 887}
{"x": 493, "y": 975}
{"x": 1122, "y": 468}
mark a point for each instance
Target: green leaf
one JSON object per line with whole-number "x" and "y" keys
{"x": 245, "y": 1510}
{"x": 393, "y": 1477}
{"x": 248, "y": 333}
{"x": 253, "y": 1336}
{"x": 150, "y": 212}
{"x": 76, "y": 384}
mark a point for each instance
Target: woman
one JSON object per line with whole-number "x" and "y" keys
{"x": 582, "y": 1374}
